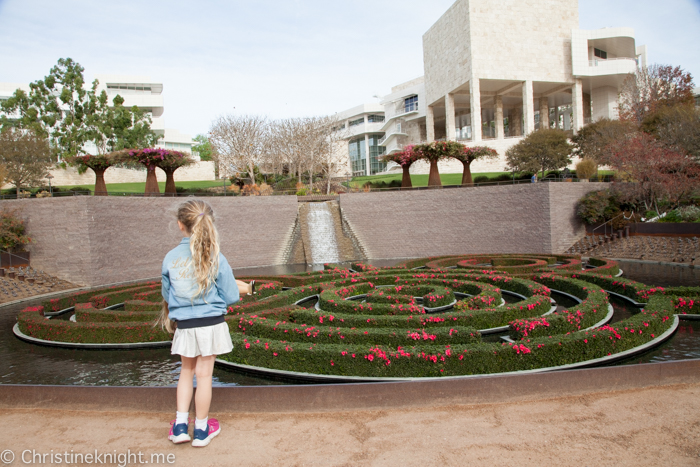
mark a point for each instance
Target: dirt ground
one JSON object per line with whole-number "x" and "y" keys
{"x": 654, "y": 426}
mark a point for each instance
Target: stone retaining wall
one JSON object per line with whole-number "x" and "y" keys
{"x": 99, "y": 240}
{"x": 527, "y": 218}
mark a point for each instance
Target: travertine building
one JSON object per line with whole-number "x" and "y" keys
{"x": 495, "y": 71}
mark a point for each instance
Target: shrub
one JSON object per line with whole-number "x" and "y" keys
{"x": 12, "y": 231}
{"x": 586, "y": 168}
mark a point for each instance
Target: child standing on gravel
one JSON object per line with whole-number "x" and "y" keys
{"x": 197, "y": 286}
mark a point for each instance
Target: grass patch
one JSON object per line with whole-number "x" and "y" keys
{"x": 141, "y": 186}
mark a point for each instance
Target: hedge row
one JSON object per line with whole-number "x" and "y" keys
{"x": 32, "y": 323}
{"x": 450, "y": 360}
{"x": 57, "y": 304}
{"x": 592, "y": 309}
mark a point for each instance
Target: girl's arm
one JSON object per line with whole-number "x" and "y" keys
{"x": 226, "y": 284}
{"x": 165, "y": 281}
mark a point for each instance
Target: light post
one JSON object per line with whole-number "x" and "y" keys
{"x": 49, "y": 177}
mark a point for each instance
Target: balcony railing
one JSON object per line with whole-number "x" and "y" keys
{"x": 596, "y": 61}
{"x": 404, "y": 109}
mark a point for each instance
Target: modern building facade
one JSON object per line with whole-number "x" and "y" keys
{"x": 495, "y": 72}
{"x": 140, "y": 91}
{"x": 362, "y": 127}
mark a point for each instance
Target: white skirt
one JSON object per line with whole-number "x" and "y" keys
{"x": 204, "y": 341}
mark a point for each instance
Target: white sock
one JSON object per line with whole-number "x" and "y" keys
{"x": 181, "y": 417}
{"x": 200, "y": 424}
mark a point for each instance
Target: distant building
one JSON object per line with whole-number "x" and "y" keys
{"x": 140, "y": 91}
{"x": 494, "y": 73}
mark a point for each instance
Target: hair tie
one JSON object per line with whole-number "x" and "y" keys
{"x": 200, "y": 214}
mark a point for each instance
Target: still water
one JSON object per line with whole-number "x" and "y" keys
{"x": 24, "y": 363}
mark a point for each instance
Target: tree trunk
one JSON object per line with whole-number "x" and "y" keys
{"x": 406, "y": 177}
{"x": 467, "y": 174}
{"x": 170, "y": 182}
{"x": 100, "y": 185}
{"x": 434, "y": 177}
{"x": 152, "y": 188}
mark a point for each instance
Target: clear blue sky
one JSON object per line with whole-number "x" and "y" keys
{"x": 280, "y": 58}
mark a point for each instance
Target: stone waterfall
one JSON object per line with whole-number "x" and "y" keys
{"x": 322, "y": 239}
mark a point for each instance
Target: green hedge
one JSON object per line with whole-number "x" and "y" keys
{"x": 32, "y": 323}
{"x": 451, "y": 360}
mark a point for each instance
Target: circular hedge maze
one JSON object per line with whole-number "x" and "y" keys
{"x": 431, "y": 317}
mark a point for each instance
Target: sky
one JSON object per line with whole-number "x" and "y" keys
{"x": 278, "y": 58}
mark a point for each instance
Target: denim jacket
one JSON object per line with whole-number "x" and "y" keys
{"x": 179, "y": 286}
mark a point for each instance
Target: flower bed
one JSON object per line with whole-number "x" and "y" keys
{"x": 387, "y": 333}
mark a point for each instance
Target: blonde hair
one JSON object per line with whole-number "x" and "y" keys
{"x": 198, "y": 219}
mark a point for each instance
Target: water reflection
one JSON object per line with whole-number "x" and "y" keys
{"x": 24, "y": 363}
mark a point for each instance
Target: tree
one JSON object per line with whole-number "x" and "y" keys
{"x": 240, "y": 141}
{"x": 25, "y": 155}
{"x": 435, "y": 152}
{"x": 471, "y": 154}
{"x": 405, "y": 159}
{"x": 62, "y": 110}
{"x": 679, "y": 127}
{"x": 203, "y": 148}
{"x": 654, "y": 171}
{"x": 149, "y": 157}
{"x": 649, "y": 89}
{"x": 99, "y": 164}
{"x": 172, "y": 161}
{"x": 543, "y": 150}
{"x": 592, "y": 140}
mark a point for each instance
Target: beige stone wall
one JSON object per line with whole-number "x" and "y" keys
{"x": 93, "y": 240}
{"x": 447, "y": 53}
{"x": 506, "y": 40}
{"x": 522, "y": 39}
{"x": 202, "y": 170}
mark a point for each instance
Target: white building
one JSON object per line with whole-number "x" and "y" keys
{"x": 496, "y": 71}
{"x": 363, "y": 127}
{"x": 140, "y": 91}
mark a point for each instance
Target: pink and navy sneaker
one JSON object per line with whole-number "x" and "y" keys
{"x": 203, "y": 437}
{"x": 178, "y": 433}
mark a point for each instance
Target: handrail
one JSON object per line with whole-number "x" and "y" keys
{"x": 23, "y": 260}
{"x": 604, "y": 224}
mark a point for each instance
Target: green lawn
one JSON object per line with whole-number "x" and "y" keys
{"x": 141, "y": 186}
{"x": 421, "y": 180}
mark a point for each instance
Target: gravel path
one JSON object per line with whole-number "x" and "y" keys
{"x": 655, "y": 426}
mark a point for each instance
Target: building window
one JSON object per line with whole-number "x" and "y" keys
{"x": 600, "y": 54}
{"x": 410, "y": 104}
{"x": 358, "y": 157}
{"x": 375, "y": 118}
{"x": 340, "y": 127}
{"x": 359, "y": 121}
{"x": 375, "y": 151}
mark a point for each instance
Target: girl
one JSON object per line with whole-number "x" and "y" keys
{"x": 197, "y": 286}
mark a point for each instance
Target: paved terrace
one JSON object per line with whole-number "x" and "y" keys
{"x": 627, "y": 415}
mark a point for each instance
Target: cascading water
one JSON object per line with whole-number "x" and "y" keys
{"x": 324, "y": 246}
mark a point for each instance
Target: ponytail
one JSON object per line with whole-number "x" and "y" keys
{"x": 198, "y": 217}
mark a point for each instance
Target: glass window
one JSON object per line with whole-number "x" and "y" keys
{"x": 358, "y": 156}
{"x": 600, "y": 54}
{"x": 375, "y": 118}
{"x": 359, "y": 121}
{"x": 375, "y": 151}
{"x": 410, "y": 104}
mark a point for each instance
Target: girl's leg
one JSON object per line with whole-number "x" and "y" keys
{"x": 184, "y": 384}
{"x": 202, "y": 399}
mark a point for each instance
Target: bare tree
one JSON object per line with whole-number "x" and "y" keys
{"x": 240, "y": 141}
{"x": 25, "y": 155}
{"x": 652, "y": 88}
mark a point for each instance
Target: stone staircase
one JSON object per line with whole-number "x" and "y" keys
{"x": 642, "y": 247}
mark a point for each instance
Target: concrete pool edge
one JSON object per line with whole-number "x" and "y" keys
{"x": 374, "y": 396}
